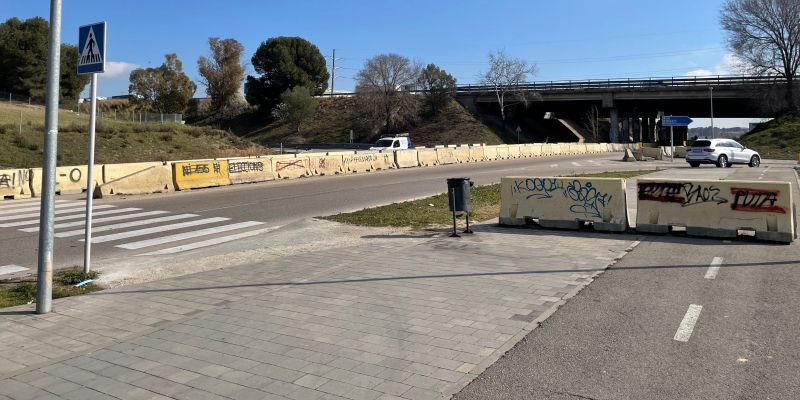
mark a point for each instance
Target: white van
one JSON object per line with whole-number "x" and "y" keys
{"x": 400, "y": 141}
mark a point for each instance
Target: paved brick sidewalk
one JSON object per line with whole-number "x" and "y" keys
{"x": 401, "y": 318}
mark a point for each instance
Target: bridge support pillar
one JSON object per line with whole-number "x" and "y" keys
{"x": 614, "y": 132}
{"x": 626, "y": 130}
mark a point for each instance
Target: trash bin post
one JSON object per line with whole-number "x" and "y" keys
{"x": 453, "y": 207}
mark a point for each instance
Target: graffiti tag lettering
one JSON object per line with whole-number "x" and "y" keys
{"x": 685, "y": 194}
{"x": 588, "y": 201}
{"x": 245, "y": 166}
{"x": 539, "y": 188}
{"x": 193, "y": 169}
{"x": 6, "y": 181}
{"x": 755, "y": 200}
{"x": 281, "y": 165}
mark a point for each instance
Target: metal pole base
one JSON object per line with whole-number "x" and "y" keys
{"x": 467, "y": 230}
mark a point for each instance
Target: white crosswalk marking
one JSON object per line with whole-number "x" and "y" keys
{"x": 62, "y": 211}
{"x": 112, "y": 227}
{"x": 18, "y": 204}
{"x": 187, "y": 235}
{"x": 67, "y": 218}
{"x": 10, "y": 269}
{"x": 210, "y": 242}
{"x": 4, "y": 212}
{"x": 98, "y": 220}
{"x": 163, "y": 228}
{"x": 576, "y": 164}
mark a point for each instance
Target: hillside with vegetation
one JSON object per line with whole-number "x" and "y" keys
{"x": 778, "y": 138}
{"x": 334, "y": 118}
{"x": 116, "y": 141}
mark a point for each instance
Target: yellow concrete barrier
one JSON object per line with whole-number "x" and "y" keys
{"x": 427, "y": 157}
{"x": 406, "y": 158}
{"x": 536, "y": 150}
{"x": 476, "y": 153}
{"x": 463, "y": 154}
{"x": 15, "y": 183}
{"x": 716, "y": 208}
{"x": 525, "y": 150}
{"x": 326, "y": 164}
{"x": 200, "y": 174}
{"x": 514, "y": 151}
{"x": 250, "y": 169}
{"x": 490, "y": 153}
{"x": 564, "y": 203}
{"x": 69, "y": 179}
{"x": 555, "y": 149}
{"x": 358, "y": 162}
{"x": 502, "y": 152}
{"x": 446, "y": 156}
{"x": 383, "y": 160}
{"x": 135, "y": 178}
{"x": 290, "y": 166}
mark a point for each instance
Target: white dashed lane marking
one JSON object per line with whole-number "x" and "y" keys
{"x": 687, "y": 324}
{"x": 713, "y": 269}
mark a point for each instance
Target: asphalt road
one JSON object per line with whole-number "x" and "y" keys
{"x": 239, "y": 209}
{"x": 629, "y": 334}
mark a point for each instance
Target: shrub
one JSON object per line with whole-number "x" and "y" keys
{"x": 25, "y": 290}
{"x": 73, "y": 277}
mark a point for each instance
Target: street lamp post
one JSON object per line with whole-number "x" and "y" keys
{"x": 711, "y": 96}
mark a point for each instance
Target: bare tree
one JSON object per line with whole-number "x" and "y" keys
{"x": 505, "y": 74}
{"x": 765, "y": 35}
{"x": 384, "y": 88}
{"x": 222, "y": 74}
{"x": 592, "y": 123}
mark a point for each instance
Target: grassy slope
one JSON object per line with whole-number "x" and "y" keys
{"x": 336, "y": 117}
{"x": 779, "y": 138}
{"x": 116, "y": 141}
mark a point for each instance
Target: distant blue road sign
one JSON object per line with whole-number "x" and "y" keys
{"x": 92, "y": 45}
{"x": 672, "y": 120}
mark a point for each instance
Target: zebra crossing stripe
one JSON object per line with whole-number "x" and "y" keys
{"x": 4, "y": 211}
{"x": 187, "y": 235}
{"x": 62, "y": 211}
{"x": 98, "y": 220}
{"x": 112, "y": 227}
{"x": 66, "y": 218}
{"x": 10, "y": 269}
{"x": 162, "y": 228}
{"x": 210, "y": 242}
{"x": 13, "y": 205}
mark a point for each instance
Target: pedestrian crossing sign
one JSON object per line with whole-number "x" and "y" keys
{"x": 92, "y": 45}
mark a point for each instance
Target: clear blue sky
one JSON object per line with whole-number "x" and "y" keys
{"x": 578, "y": 39}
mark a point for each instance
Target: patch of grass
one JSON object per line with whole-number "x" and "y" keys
{"x": 432, "y": 212}
{"x": 24, "y": 291}
{"x": 779, "y": 138}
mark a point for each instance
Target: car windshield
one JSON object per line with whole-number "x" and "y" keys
{"x": 384, "y": 143}
{"x": 701, "y": 143}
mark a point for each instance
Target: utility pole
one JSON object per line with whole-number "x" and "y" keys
{"x": 44, "y": 277}
{"x": 333, "y": 70}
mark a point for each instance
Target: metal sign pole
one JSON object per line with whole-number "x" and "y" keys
{"x": 44, "y": 278}
{"x": 671, "y": 144}
{"x": 87, "y": 245}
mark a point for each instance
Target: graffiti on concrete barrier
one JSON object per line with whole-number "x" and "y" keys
{"x": 588, "y": 200}
{"x": 686, "y": 194}
{"x": 281, "y": 165}
{"x": 583, "y": 197}
{"x": 537, "y": 188}
{"x": 16, "y": 178}
{"x": 194, "y": 169}
{"x": 245, "y": 166}
{"x": 756, "y": 200}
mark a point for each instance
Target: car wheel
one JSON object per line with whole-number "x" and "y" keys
{"x": 694, "y": 164}
{"x": 722, "y": 161}
{"x": 755, "y": 161}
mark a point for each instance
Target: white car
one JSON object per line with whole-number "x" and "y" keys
{"x": 396, "y": 142}
{"x": 720, "y": 152}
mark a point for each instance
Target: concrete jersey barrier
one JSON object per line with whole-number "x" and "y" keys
{"x": 290, "y": 166}
{"x": 476, "y": 153}
{"x": 383, "y": 160}
{"x": 427, "y": 157}
{"x": 406, "y": 158}
{"x": 716, "y": 208}
{"x": 446, "y": 156}
{"x": 15, "y": 183}
{"x": 135, "y": 178}
{"x": 326, "y": 164}
{"x": 490, "y": 153}
{"x": 463, "y": 154}
{"x": 250, "y": 169}
{"x": 200, "y": 174}
{"x": 564, "y": 202}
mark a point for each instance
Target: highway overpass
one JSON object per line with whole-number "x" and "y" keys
{"x": 633, "y": 105}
